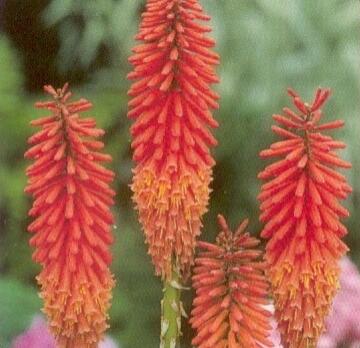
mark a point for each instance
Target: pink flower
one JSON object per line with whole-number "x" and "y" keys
{"x": 275, "y": 337}
{"x": 342, "y": 325}
{"x": 39, "y": 336}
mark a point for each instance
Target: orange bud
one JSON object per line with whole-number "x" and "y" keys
{"x": 229, "y": 311}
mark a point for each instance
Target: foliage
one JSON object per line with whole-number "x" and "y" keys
{"x": 15, "y": 110}
{"x": 18, "y": 303}
{"x": 85, "y": 31}
{"x": 264, "y": 47}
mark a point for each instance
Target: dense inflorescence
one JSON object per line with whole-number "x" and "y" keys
{"x": 72, "y": 220}
{"x": 301, "y": 211}
{"x": 231, "y": 292}
{"x": 170, "y": 103}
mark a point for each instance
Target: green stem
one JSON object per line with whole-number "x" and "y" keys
{"x": 171, "y": 310}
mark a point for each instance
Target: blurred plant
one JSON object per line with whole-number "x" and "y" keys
{"x": 275, "y": 336}
{"x": 15, "y": 110}
{"x": 72, "y": 226}
{"x": 301, "y": 211}
{"x": 18, "y": 303}
{"x": 11, "y": 97}
{"x": 342, "y": 325}
{"x": 231, "y": 291}
{"x": 2, "y": 2}
{"x": 85, "y": 30}
{"x": 39, "y": 336}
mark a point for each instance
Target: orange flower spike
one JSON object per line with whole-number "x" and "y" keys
{"x": 72, "y": 220}
{"x": 170, "y": 102}
{"x": 301, "y": 211}
{"x": 231, "y": 291}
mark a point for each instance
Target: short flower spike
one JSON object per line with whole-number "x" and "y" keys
{"x": 231, "y": 292}
{"x": 301, "y": 211}
{"x": 170, "y": 102}
{"x": 72, "y": 220}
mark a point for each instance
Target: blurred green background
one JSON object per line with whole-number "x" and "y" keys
{"x": 265, "y": 46}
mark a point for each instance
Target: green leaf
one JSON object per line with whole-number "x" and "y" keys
{"x": 18, "y": 304}
{"x": 56, "y": 11}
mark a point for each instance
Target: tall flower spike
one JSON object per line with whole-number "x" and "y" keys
{"x": 301, "y": 211}
{"x": 72, "y": 226}
{"x": 231, "y": 292}
{"x": 170, "y": 102}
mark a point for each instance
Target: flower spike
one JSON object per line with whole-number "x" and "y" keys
{"x": 231, "y": 290}
{"x": 301, "y": 211}
{"x": 170, "y": 103}
{"x": 72, "y": 220}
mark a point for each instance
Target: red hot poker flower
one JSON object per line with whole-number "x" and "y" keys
{"x": 231, "y": 292}
{"x": 72, "y": 226}
{"x": 301, "y": 211}
{"x": 171, "y": 102}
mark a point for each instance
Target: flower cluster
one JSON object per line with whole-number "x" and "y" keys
{"x": 170, "y": 103}
{"x": 231, "y": 290}
{"x": 301, "y": 211}
{"x": 342, "y": 324}
{"x": 72, "y": 220}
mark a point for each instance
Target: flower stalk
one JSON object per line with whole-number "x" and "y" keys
{"x": 171, "y": 312}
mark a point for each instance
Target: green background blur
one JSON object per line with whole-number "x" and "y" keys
{"x": 265, "y": 45}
